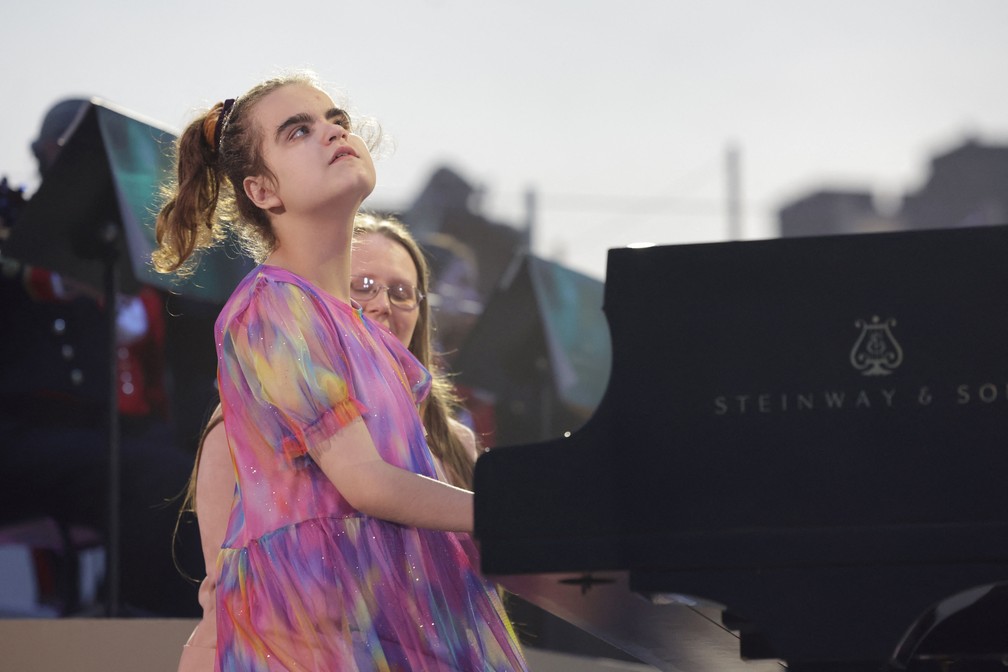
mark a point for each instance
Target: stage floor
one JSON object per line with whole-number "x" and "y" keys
{"x": 153, "y": 645}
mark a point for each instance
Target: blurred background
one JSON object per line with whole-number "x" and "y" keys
{"x": 523, "y": 140}
{"x": 598, "y": 124}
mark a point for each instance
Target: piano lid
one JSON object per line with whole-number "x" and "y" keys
{"x": 792, "y": 422}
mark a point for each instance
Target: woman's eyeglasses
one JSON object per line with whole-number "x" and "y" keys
{"x": 363, "y": 288}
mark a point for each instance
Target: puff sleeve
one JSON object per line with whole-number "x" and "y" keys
{"x": 283, "y": 353}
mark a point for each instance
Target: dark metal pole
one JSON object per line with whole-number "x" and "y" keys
{"x": 109, "y": 235}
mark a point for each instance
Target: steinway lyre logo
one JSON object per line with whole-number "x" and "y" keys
{"x": 876, "y": 352}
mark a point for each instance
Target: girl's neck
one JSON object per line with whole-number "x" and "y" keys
{"x": 320, "y": 255}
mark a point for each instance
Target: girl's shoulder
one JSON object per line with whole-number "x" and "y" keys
{"x": 274, "y": 286}
{"x": 243, "y": 295}
{"x": 264, "y": 278}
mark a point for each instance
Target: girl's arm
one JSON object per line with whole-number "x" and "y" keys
{"x": 374, "y": 487}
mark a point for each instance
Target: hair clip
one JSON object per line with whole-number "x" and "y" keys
{"x": 222, "y": 121}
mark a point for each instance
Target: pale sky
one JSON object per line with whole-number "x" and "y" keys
{"x": 617, "y": 115}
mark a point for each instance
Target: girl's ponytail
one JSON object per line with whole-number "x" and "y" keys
{"x": 187, "y": 220}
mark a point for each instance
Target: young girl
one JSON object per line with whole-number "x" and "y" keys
{"x": 340, "y": 551}
{"x": 390, "y": 279}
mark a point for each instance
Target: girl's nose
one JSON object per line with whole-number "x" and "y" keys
{"x": 336, "y": 132}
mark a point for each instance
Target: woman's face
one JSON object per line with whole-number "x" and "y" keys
{"x": 388, "y": 264}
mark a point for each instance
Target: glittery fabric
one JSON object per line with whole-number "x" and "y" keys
{"x": 306, "y": 582}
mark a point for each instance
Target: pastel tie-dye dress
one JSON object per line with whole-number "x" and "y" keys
{"x": 305, "y": 581}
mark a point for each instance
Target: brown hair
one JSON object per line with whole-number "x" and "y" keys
{"x": 206, "y": 199}
{"x": 443, "y": 402}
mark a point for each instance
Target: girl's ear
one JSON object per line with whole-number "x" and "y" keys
{"x": 261, "y": 192}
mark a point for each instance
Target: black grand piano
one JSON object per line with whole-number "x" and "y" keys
{"x": 800, "y": 460}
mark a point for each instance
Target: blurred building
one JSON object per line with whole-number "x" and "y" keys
{"x": 966, "y": 186}
{"x": 448, "y": 206}
{"x": 830, "y": 211}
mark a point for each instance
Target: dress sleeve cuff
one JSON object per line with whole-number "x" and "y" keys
{"x": 333, "y": 420}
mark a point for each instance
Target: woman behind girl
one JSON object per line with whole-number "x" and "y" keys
{"x": 339, "y": 552}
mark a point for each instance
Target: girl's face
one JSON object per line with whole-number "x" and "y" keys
{"x": 388, "y": 264}
{"x": 314, "y": 158}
